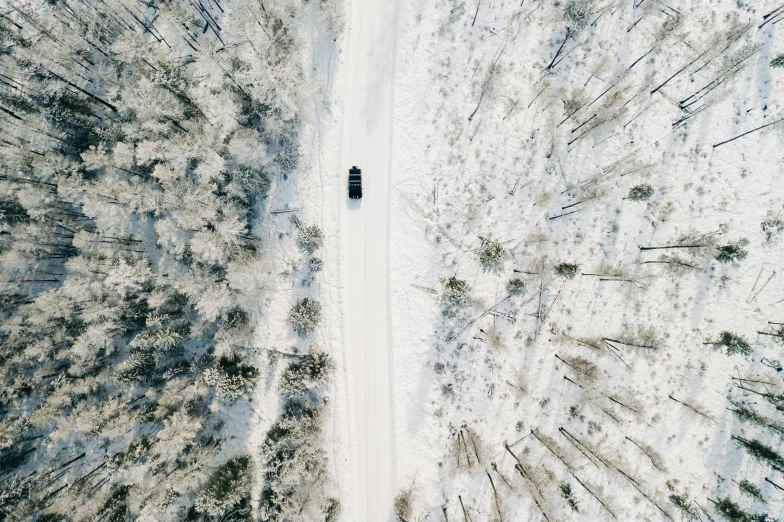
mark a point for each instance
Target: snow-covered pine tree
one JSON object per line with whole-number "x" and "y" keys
{"x": 305, "y": 316}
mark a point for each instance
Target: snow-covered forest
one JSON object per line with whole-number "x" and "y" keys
{"x": 145, "y": 150}
{"x": 580, "y": 243}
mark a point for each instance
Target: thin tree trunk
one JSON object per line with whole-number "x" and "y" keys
{"x": 672, "y": 246}
{"x": 495, "y": 497}
{"x": 465, "y": 514}
{"x": 746, "y": 133}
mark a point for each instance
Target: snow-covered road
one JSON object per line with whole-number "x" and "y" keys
{"x": 366, "y": 142}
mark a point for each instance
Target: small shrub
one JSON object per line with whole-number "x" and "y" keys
{"x": 566, "y": 492}
{"x": 567, "y": 270}
{"x": 651, "y": 453}
{"x": 235, "y": 318}
{"x": 305, "y": 316}
{"x": 492, "y": 256}
{"x": 515, "y": 286}
{"x": 594, "y": 427}
{"x": 778, "y": 61}
{"x": 577, "y": 13}
{"x": 641, "y": 335}
{"x": 454, "y": 295}
{"x": 733, "y": 344}
{"x": 730, "y": 253}
{"x": 332, "y": 511}
{"x": 310, "y": 239}
{"x": 641, "y": 192}
{"x": 315, "y": 264}
{"x": 588, "y": 370}
{"x": 771, "y": 227}
{"x": 403, "y": 506}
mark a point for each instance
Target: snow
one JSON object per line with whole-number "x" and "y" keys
{"x": 503, "y": 174}
{"x": 366, "y": 127}
{"x": 608, "y": 382}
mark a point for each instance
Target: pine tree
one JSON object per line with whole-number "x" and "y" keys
{"x": 568, "y": 494}
{"x": 305, "y": 316}
{"x": 515, "y": 286}
{"x": 732, "y": 343}
{"x": 307, "y": 373}
{"x": 730, "y": 253}
{"x": 310, "y": 238}
{"x": 227, "y": 489}
{"x": 230, "y": 377}
{"x": 641, "y": 192}
{"x": 402, "y": 505}
{"x": 732, "y": 512}
{"x": 760, "y": 451}
{"x": 684, "y": 505}
{"x": 751, "y": 490}
{"x": 567, "y": 270}
{"x": 454, "y": 295}
{"x": 315, "y": 264}
{"x": 492, "y": 255}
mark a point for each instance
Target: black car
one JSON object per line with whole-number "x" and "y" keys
{"x": 354, "y": 183}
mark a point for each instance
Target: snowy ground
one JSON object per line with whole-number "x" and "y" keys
{"x": 583, "y": 132}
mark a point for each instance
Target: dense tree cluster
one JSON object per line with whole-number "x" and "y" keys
{"x": 295, "y": 465}
{"x": 140, "y": 142}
